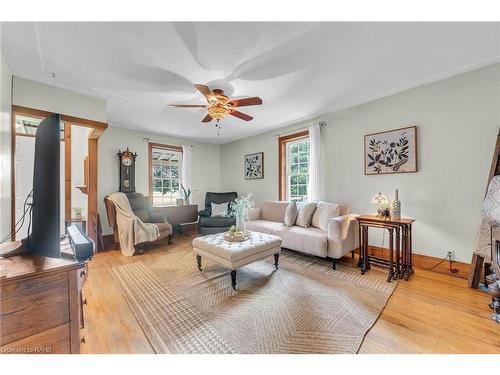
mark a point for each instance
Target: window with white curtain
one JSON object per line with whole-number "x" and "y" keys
{"x": 166, "y": 164}
{"x": 297, "y": 169}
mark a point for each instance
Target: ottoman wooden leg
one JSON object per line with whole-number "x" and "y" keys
{"x": 198, "y": 261}
{"x": 276, "y": 260}
{"x": 233, "y": 279}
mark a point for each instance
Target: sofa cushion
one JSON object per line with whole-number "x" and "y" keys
{"x": 274, "y": 211}
{"x": 324, "y": 212}
{"x": 291, "y": 214}
{"x": 218, "y": 221}
{"x": 219, "y": 209}
{"x": 218, "y": 198}
{"x": 305, "y": 215}
{"x": 263, "y": 226}
{"x": 310, "y": 240}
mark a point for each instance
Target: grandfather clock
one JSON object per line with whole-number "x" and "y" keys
{"x": 127, "y": 171}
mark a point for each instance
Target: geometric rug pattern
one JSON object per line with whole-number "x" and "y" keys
{"x": 303, "y": 307}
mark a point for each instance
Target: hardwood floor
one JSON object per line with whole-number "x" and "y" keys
{"x": 431, "y": 313}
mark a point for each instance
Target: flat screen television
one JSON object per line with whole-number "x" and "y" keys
{"x": 46, "y": 215}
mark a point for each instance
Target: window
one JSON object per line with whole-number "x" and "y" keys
{"x": 293, "y": 166}
{"x": 28, "y": 125}
{"x": 166, "y": 164}
{"x": 297, "y": 161}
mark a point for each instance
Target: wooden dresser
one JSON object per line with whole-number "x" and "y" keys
{"x": 39, "y": 304}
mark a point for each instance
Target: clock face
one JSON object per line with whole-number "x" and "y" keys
{"x": 127, "y": 162}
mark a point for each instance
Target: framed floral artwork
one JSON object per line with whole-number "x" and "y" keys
{"x": 254, "y": 166}
{"x": 392, "y": 151}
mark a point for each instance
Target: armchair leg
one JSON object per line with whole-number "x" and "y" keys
{"x": 334, "y": 264}
{"x": 169, "y": 239}
{"x": 352, "y": 254}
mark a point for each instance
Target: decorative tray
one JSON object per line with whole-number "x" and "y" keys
{"x": 236, "y": 236}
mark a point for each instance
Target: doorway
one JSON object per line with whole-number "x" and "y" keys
{"x": 79, "y": 163}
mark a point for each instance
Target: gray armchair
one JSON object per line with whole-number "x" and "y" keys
{"x": 217, "y": 224}
{"x": 141, "y": 206}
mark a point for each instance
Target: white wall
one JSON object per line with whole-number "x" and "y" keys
{"x": 206, "y": 172}
{"x": 458, "y": 120}
{"x": 38, "y": 95}
{"x": 5, "y": 146}
{"x": 79, "y": 150}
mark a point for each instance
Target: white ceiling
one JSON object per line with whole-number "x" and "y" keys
{"x": 300, "y": 70}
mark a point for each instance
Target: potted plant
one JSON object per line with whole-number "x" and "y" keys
{"x": 186, "y": 194}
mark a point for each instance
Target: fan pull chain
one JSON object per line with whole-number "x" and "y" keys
{"x": 218, "y": 126}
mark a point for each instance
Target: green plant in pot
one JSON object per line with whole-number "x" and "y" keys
{"x": 186, "y": 194}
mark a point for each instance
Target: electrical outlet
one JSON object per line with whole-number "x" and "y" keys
{"x": 450, "y": 254}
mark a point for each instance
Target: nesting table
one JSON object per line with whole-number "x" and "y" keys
{"x": 400, "y": 263}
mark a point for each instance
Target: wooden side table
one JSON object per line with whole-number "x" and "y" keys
{"x": 179, "y": 216}
{"x": 400, "y": 263}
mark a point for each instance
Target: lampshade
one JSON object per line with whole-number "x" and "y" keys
{"x": 491, "y": 204}
{"x": 380, "y": 199}
{"x": 217, "y": 111}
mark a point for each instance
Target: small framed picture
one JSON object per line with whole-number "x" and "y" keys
{"x": 393, "y": 151}
{"x": 254, "y": 166}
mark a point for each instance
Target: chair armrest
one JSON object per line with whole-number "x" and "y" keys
{"x": 342, "y": 235}
{"x": 254, "y": 213}
{"x": 204, "y": 213}
{"x": 157, "y": 217}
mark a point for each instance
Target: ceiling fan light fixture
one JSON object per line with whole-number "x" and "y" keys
{"x": 217, "y": 112}
{"x": 220, "y": 105}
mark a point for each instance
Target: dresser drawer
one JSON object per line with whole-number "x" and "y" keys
{"x": 54, "y": 340}
{"x": 32, "y": 306}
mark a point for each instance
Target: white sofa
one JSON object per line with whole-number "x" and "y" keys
{"x": 340, "y": 238}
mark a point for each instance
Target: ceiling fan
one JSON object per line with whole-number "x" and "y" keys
{"x": 219, "y": 105}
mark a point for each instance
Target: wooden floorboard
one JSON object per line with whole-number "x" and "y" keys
{"x": 431, "y": 313}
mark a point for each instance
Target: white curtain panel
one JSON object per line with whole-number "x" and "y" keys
{"x": 186, "y": 166}
{"x": 313, "y": 188}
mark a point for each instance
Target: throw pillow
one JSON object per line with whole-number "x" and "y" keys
{"x": 324, "y": 212}
{"x": 291, "y": 213}
{"x": 306, "y": 212}
{"x": 219, "y": 209}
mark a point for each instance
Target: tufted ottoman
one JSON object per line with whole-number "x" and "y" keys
{"x": 233, "y": 255}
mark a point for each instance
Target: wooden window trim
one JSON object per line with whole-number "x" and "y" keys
{"x": 282, "y": 142}
{"x": 162, "y": 146}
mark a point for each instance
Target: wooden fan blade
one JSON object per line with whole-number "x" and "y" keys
{"x": 207, "y": 93}
{"x": 188, "y": 105}
{"x": 241, "y": 115}
{"x": 246, "y": 101}
{"x": 207, "y": 118}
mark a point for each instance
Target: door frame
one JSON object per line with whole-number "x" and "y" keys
{"x": 93, "y": 161}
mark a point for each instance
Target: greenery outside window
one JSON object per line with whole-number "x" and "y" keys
{"x": 297, "y": 165}
{"x": 166, "y": 164}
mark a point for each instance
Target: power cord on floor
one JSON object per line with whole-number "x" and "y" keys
{"x": 453, "y": 271}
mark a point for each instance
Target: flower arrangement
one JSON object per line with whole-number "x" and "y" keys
{"x": 239, "y": 208}
{"x": 382, "y": 203}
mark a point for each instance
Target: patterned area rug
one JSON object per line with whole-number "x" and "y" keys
{"x": 304, "y": 307}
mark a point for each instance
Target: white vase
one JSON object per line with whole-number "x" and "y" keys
{"x": 395, "y": 208}
{"x": 240, "y": 223}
